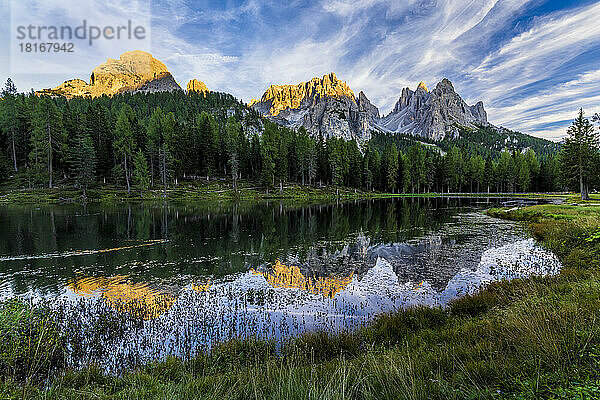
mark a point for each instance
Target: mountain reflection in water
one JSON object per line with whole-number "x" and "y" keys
{"x": 179, "y": 279}
{"x": 291, "y": 277}
{"x": 273, "y": 305}
{"x": 138, "y": 299}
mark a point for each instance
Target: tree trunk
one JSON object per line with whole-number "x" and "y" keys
{"x": 582, "y": 186}
{"x": 14, "y": 152}
{"x": 127, "y": 175}
{"x": 49, "y": 154}
{"x": 164, "y": 171}
{"x": 152, "y": 170}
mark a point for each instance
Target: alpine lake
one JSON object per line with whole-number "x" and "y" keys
{"x": 135, "y": 283}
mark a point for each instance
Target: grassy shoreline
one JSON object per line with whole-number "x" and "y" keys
{"x": 220, "y": 191}
{"x": 524, "y": 339}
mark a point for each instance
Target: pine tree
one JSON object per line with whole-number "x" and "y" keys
{"x": 281, "y": 162}
{"x": 476, "y": 171}
{"x": 355, "y": 170}
{"x": 488, "y": 179}
{"x": 390, "y": 160}
{"x": 153, "y": 141}
{"x": 100, "y": 129}
{"x": 46, "y": 139}
{"x": 312, "y": 161}
{"x": 455, "y": 169}
{"x": 269, "y": 152}
{"x": 579, "y": 152}
{"x": 302, "y": 153}
{"x": 416, "y": 154}
{"x": 141, "y": 176}
{"x": 534, "y": 169}
{"x": 8, "y": 115}
{"x": 208, "y": 130}
{"x": 505, "y": 172}
{"x": 233, "y": 130}
{"x": 167, "y": 145}
{"x": 83, "y": 161}
{"x": 406, "y": 178}
{"x": 367, "y": 172}
{"x": 336, "y": 161}
{"x": 124, "y": 142}
{"x": 523, "y": 172}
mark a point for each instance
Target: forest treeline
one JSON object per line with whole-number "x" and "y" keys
{"x": 141, "y": 141}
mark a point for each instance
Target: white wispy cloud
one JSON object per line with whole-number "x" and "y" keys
{"x": 520, "y": 71}
{"x": 535, "y": 56}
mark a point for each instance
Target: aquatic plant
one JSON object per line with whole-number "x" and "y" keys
{"x": 31, "y": 345}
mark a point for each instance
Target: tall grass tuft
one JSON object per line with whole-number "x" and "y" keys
{"x": 31, "y": 347}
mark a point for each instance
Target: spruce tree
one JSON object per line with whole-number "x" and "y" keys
{"x": 83, "y": 161}
{"x": 233, "y": 130}
{"x": 8, "y": 118}
{"x": 153, "y": 141}
{"x": 124, "y": 142}
{"x": 46, "y": 139}
{"x": 390, "y": 160}
{"x": 579, "y": 153}
{"x": 269, "y": 152}
{"x": 141, "y": 176}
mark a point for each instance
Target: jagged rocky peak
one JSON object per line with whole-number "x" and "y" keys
{"x": 432, "y": 114}
{"x": 324, "y": 105}
{"x": 197, "y": 86}
{"x": 280, "y": 97}
{"x": 365, "y": 105}
{"x": 134, "y": 71}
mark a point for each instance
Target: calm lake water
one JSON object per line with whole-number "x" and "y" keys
{"x": 135, "y": 283}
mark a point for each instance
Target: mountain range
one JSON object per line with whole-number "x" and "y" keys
{"x": 326, "y": 105}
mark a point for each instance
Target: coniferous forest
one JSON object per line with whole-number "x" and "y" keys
{"x": 141, "y": 141}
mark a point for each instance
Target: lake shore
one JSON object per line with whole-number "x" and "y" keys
{"x": 221, "y": 191}
{"x": 527, "y": 339}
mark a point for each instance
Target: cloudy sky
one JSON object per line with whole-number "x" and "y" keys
{"x": 532, "y": 63}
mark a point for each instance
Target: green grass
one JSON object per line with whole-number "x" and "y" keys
{"x": 14, "y": 192}
{"x": 31, "y": 347}
{"x": 185, "y": 192}
{"x": 536, "y": 338}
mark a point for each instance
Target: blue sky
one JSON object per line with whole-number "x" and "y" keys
{"x": 532, "y": 63}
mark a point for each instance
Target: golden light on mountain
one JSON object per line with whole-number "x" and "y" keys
{"x": 197, "y": 86}
{"x": 423, "y": 86}
{"x": 137, "y": 299}
{"x": 291, "y": 277}
{"x": 281, "y": 97}
{"x": 134, "y": 71}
